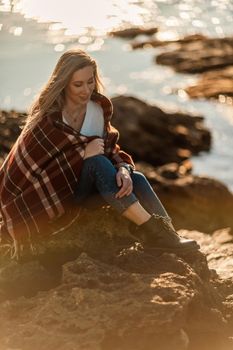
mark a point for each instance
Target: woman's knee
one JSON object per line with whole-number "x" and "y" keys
{"x": 139, "y": 178}
{"x": 98, "y": 161}
{"x": 98, "y": 158}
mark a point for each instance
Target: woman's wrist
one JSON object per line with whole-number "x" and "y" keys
{"x": 128, "y": 167}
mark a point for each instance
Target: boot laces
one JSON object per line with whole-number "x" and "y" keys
{"x": 166, "y": 221}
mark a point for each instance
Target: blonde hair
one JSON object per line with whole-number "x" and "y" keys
{"x": 51, "y": 98}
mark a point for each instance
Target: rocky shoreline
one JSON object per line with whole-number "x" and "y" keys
{"x": 94, "y": 288}
{"x": 211, "y": 58}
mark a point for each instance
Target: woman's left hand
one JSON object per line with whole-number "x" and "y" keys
{"x": 124, "y": 181}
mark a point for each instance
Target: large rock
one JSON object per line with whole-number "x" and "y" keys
{"x": 154, "y": 136}
{"x": 130, "y": 33}
{"x": 214, "y": 84}
{"x": 10, "y": 123}
{"x": 116, "y": 298}
{"x": 158, "y": 43}
{"x": 200, "y": 55}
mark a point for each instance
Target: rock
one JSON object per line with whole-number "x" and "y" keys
{"x": 24, "y": 279}
{"x": 133, "y": 32}
{"x": 193, "y": 202}
{"x": 215, "y": 84}
{"x": 124, "y": 299}
{"x": 10, "y": 123}
{"x": 200, "y": 55}
{"x": 196, "y": 54}
{"x": 99, "y": 306}
{"x": 158, "y": 43}
{"x": 218, "y": 249}
{"x": 154, "y": 136}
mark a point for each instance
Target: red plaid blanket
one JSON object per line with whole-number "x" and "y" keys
{"x": 41, "y": 172}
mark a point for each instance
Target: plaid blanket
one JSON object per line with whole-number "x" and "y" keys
{"x": 41, "y": 172}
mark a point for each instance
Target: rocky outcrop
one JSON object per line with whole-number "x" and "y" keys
{"x": 215, "y": 84}
{"x": 200, "y": 55}
{"x": 159, "y": 43}
{"x": 197, "y": 54}
{"x": 10, "y": 123}
{"x": 131, "y": 33}
{"x": 218, "y": 249}
{"x": 110, "y": 297}
{"x": 157, "y": 137}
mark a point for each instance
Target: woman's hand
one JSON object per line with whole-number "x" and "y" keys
{"x": 124, "y": 181}
{"x": 94, "y": 148}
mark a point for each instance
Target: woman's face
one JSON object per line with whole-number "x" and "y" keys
{"x": 80, "y": 86}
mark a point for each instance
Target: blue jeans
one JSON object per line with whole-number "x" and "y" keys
{"x": 98, "y": 177}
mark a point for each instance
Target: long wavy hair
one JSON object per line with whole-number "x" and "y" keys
{"x": 52, "y": 98}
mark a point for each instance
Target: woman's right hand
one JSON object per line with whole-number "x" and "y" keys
{"x": 94, "y": 148}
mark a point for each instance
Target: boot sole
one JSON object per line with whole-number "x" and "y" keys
{"x": 174, "y": 250}
{"x": 194, "y": 248}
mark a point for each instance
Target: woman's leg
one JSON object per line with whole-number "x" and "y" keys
{"x": 146, "y": 195}
{"x": 158, "y": 229}
{"x": 99, "y": 173}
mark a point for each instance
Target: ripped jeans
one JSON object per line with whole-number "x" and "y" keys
{"x": 98, "y": 182}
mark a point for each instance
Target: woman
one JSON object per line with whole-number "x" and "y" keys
{"x": 68, "y": 151}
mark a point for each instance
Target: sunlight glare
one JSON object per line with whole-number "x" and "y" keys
{"x": 75, "y": 14}
{"x": 168, "y": 35}
{"x": 17, "y": 31}
{"x": 59, "y": 47}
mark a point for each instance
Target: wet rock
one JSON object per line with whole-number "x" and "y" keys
{"x": 200, "y": 55}
{"x": 130, "y": 33}
{"x": 193, "y": 202}
{"x": 215, "y": 84}
{"x": 159, "y": 43}
{"x": 154, "y": 136}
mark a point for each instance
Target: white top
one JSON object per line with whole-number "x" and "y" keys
{"x": 93, "y": 123}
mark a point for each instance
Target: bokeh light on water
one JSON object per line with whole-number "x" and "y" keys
{"x": 176, "y": 17}
{"x": 74, "y": 15}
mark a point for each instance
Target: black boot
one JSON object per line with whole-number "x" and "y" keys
{"x": 157, "y": 232}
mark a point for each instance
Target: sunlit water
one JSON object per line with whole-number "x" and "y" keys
{"x": 35, "y": 33}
